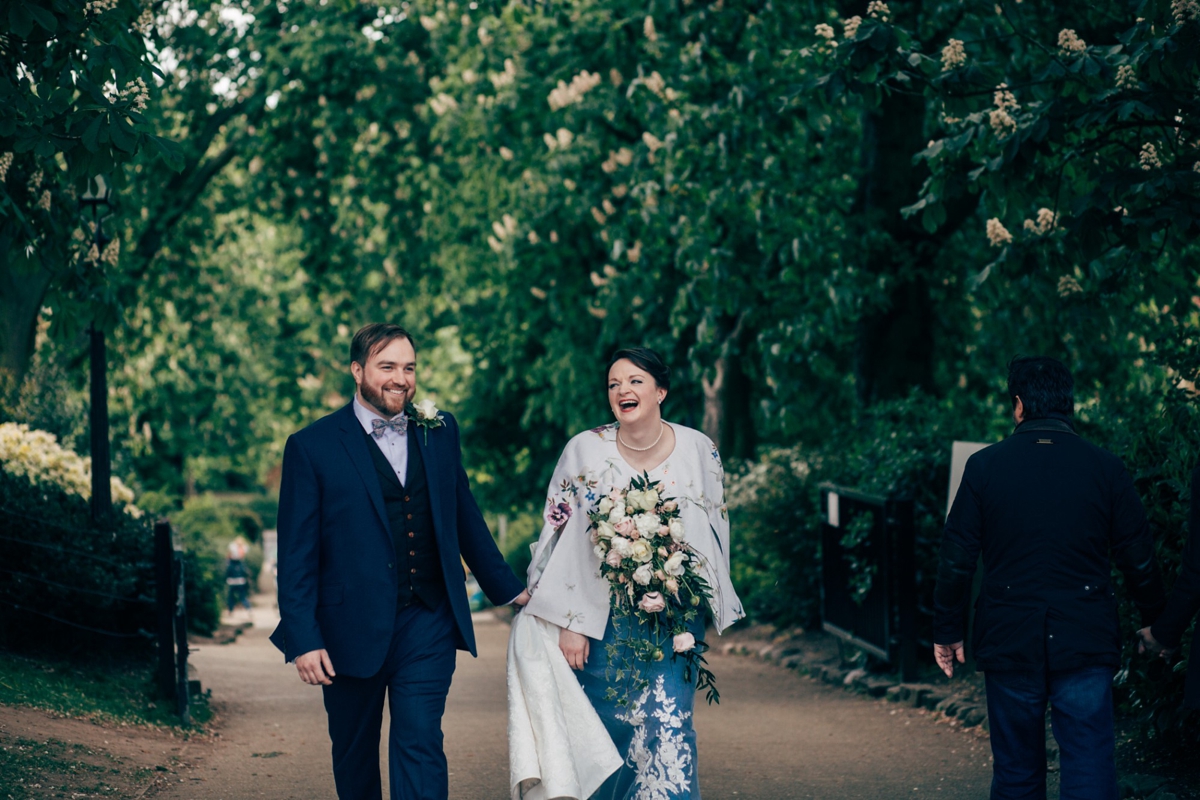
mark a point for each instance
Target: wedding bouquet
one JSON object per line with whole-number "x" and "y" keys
{"x": 639, "y": 538}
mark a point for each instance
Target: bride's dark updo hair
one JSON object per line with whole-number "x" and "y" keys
{"x": 646, "y": 359}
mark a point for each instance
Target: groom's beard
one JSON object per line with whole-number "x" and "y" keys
{"x": 389, "y": 404}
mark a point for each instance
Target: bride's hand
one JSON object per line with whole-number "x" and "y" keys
{"x": 574, "y": 646}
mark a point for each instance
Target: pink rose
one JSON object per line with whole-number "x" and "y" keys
{"x": 670, "y": 506}
{"x": 652, "y": 602}
{"x": 626, "y": 528}
{"x": 684, "y": 642}
{"x": 663, "y": 530}
{"x": 613, "y": 559}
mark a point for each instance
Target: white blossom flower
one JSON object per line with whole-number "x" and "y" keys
{"x": 6, "y": 160}
{"x": 498, "y": 247}
{"x": 648, "y": 29}
{"x": 1184, "y": 10}
{"x": 655, "y": 83}
{"x": 506, "y": 154}
{"x": 609, "y": 208}
{"x": 37, "y": 456}
{"x": 95, "y": 8}
{"x": 1002, "y": 123}
{"x": 551, "y": 142}
{"x": 997, "y": 234}
{"x": 136, "y": 94}
{"x": 442, "y": 104}
{"x": 1149, "y": 157}
{"x": 953, "y": 55}
{"x": 538, "y": 292}
{"x": 1126, "y": 77}
{"x": 825, "y": 31}
{"x": 145, "y": 21}
{"x": 643, "y": 575}
{"x": 564, "y": 136}
{"x": 1068, "y": 285}
{"x": 1069, "y": 42}
{"x": 606, "y": 505}
{"x": 565, "y": 94}
{"x": 44, "y": 202}
{"x": 676, "y": 530}
{"x": 879, "y": 10}
{"x": 1046, "y": 221}
{"x": 485, "y": 38}
{"x": 599, "y": 216}
{"x": 1196, "y": 167}
{"x": 850, "y": 27}
{"x": 1003, "y": 98}
{"x": 428, "y": 23}
{"x": 93, "y": 254}
{"x": 652, "y": 141}
{"x": 112, "y": 252}
{"x": 35, "y": 181}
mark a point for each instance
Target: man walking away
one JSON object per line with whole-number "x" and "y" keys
{"x": 1048, "y": 511}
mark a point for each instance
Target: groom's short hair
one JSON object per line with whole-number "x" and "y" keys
{"x": 372, "y": 338}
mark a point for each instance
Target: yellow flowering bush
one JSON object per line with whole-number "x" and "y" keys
{"x": 38, "y": 456}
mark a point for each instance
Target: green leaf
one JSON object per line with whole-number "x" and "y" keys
{"x": 19, "y": 20}
{"x": 124, "y": 137}
{"x": 43, "y": 17}
{"x": 91, "y": 135}
{"x": 170, "y": 151}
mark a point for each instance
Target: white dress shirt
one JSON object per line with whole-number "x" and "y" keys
{"x": 393, "y": 445}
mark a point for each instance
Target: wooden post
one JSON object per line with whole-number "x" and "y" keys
{"x": 165, "y": 599}
{"x": 182, "y": 700}
{"x": 98, "y": 424}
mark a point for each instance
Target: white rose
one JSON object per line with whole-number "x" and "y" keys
{"x": 672, "y": 586}
{"x": 675, "y": 563}
{"x": 606, "y": 505}
{"x": 604, "y": 530}
{"x": 649, "y": 499}
{"x": 676, "y": 529}
{"x": 634, "y": 499}
{"x": 599, "y": 551}
{"x": 426, "y": 409}
{"x": 647, "y": 524}
{"x": 640, "y": 551}
{"x": 617, "y": 513}
{"x": 642, "y": 575}
{"x": 622, "y": 546}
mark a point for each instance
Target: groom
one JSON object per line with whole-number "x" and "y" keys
{"x": 375, "y": 520}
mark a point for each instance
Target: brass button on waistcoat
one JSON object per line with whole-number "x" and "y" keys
{"x": 412, "y": 552}
{"x": 407, "y": 498}
{"x": 411, "y": 534}
{"x": 409, "y": 516}
{"x": 413, "y": 570}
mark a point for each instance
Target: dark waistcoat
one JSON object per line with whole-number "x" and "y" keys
{"x": 410, "y": 519}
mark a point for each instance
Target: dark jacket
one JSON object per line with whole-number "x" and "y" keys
{"x": 1048, "y": 511}
{"x": 1184, "y": 601}
{"x": 338, "y": 587}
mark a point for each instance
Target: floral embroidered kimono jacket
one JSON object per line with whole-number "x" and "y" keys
{"x": 653, "y": 732}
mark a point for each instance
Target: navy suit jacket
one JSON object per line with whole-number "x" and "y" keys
{"x": 337, "y": 578}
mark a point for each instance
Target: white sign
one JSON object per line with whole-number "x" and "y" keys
{"x": 958, "y": 463}
{"x": 831, "y": 506}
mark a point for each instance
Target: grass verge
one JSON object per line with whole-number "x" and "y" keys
{"x": 106, "y": 691}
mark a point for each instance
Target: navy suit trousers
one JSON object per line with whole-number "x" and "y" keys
{"x": 416, "y": 679}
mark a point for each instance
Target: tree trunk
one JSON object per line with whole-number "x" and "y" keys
{"x": 894, "y": 350}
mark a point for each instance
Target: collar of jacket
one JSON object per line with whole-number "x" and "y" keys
{"x": 1054, "y": 422}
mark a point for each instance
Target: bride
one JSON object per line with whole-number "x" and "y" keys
{"x": 645, "y": 706}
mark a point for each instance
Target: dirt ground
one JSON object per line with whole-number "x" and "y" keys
{"x": 75, "y": 758}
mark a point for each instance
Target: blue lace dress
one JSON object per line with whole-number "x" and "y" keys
{"x": 654, "y": 731}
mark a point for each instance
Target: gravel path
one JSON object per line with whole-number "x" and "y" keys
{"x": 775, "y": 736}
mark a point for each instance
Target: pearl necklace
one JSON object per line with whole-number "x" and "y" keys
{"x": 661, "y": 431}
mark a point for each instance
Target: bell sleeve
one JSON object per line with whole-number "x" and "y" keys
{"x": 564, "y": 574}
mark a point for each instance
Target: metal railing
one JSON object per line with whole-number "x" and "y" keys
{"x": 868, "y": 574}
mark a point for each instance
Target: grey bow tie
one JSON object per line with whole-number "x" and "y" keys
{"x": 399, "y": 425}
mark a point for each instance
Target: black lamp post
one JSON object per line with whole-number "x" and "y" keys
{"x": 96, "y": 203}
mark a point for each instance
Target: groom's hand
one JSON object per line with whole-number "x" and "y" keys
{"x": 315, "y": 668}
{"x": 574, "y": 646}
{"x": 522, "y": 599}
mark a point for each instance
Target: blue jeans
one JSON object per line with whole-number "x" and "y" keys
{"x": 1081, "y": 715}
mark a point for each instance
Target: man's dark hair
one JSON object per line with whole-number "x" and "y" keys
{"x": 372, "y": 338}
{"x": 1044, "y": 385}
{"x": 646, "y": 359}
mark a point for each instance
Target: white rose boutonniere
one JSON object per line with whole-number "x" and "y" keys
{"x": 425, "y": 415}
